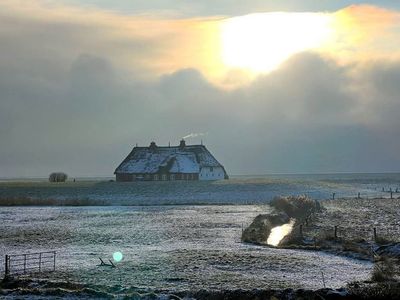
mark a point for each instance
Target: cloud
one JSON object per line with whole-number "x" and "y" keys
{"x": 76, "y": 93}
{"x": 225, "y": 7}
{"x": 147, "y": 46}
{"x": 304, "y": 117}
{"x": 364, "y": 32}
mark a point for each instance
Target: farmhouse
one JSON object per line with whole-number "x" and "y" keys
{"x": 183, "y": 162}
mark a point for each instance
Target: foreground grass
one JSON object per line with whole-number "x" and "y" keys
{"x": 49, "y": 289}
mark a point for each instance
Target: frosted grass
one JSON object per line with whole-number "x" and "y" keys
{"x": 167, "y": 248}
{"x": 238, "y": 190}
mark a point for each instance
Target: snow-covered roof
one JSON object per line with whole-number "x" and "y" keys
{"x": 176, "y": 159}
{"x": 184, "y": 163}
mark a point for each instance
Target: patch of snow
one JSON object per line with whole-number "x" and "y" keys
{"x": 185, "y": 163}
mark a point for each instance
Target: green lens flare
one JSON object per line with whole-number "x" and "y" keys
{"x": 117, "y": 256}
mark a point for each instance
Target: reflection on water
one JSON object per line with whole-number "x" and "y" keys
{"x": 279, "y": 232}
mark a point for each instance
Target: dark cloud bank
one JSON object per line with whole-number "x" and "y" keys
{"x": 308, "y": 116}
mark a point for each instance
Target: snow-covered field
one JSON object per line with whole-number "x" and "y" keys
{"x": 187, "y": 247}
{"x": 167, "y": 247}
{"x": 356, "y": 218}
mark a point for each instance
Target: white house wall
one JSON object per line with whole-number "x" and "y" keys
{"x": 211, "y": 173}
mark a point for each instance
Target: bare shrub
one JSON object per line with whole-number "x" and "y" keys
{"x": 384, "y": 269}
{"x": 298, "y": 207}
{"x": 325, "y": 235}
{"x": 376, "y": 291}
{"x": 58, "y": 177}
{"x": 381, "y": 240}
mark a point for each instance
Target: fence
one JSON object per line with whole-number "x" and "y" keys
{"x": 19, "y": 264}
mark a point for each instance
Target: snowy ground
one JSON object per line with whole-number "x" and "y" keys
{"x": 356, "y": 218}
{"x": 167, "y": 247}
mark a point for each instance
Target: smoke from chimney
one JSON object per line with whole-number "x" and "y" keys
{"x": 192, "y": 135}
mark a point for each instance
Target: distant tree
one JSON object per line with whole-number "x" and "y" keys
{"x": 58, "y": 177}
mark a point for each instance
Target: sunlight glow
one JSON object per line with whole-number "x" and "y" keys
{"x": 279, "y": 232}
{"x": 260, "y": 42}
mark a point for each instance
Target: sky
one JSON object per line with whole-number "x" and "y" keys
{"x": 269, "y": 86}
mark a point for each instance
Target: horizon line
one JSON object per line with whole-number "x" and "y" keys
{"x": 234, "y": 175}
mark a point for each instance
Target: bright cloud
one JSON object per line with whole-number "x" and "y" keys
{"x": 226, "y": 50}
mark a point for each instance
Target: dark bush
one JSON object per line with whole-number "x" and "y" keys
{"x": 377, "y": 291}
{"x": 58, "y": 177}
{"x": 384, "y": 269}
{"x": 296, "y": 206}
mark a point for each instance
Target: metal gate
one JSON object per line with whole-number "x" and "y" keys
{"x": 29, "y": 263}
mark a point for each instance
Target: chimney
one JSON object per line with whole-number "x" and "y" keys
{"x": 153, "y": 146}
{"x": 182, "y": 144}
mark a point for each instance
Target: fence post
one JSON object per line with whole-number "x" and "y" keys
{"x": 375, "y": 235}
{"x": 24, "y": 263}
{"x": 54, "y": 261}
{"x": 6, "y": 267}
{"x": 333, "y": 196}
{"x": 40, "y": 262}
{"x": 301, "y": 229}
{"x": 335, "y": 232}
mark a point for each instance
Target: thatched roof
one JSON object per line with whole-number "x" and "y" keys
{"x": 175, "y": 159}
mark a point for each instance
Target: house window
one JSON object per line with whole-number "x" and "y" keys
{"x": 211, "y": 169}
{"x": 155, "y": 177}
{"x": 172, "y": 177}
{"x": 164, "y": 177}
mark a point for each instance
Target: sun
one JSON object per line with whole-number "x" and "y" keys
{"x": 261, "y": 42}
